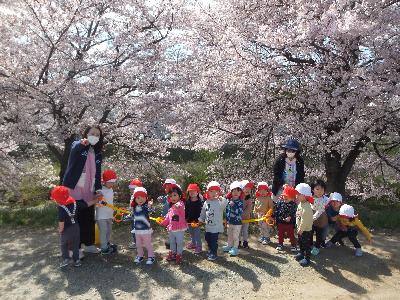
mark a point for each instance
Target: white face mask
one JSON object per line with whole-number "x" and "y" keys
{"x": 93, "y": 140}
{"x": 290, "y": 155}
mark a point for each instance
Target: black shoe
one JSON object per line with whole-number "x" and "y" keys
{"x": 299, "y": 256}
{"x": 246, "y": 244}
{"x": 341, "y": 242}
{"x": 114, "y": 248}
{"x": 107, "y": 251}
{"x": 167, "y": 246}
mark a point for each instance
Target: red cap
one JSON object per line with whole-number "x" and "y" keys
{"x": 289, "y": 192}
{"x": 60, "y": 194}
{"x": 109, "y": 176}
{"x": 249, "y": 185}
{"x": 193, "y": 187}
{"x": 310, "y": 199}
{"x": 135, "y": 183}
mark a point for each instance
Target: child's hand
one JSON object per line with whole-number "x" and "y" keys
{"x": 150, "y": 203}
{"x": 231, "y": 203}
{"x": 288, "y": 219}
{"x": 84, "y": 142}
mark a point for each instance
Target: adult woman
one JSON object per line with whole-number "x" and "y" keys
{"x": 83, "y": 178}
{"x": 288, "y": 167}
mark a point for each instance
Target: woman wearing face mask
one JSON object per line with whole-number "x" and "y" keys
{"x": 288, "y": 167}
{"x": 83, "y": 178}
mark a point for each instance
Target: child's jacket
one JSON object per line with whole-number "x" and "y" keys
{"x": 175, "y": 219}
{"x": 234, "y": 211}
{"x": 345, "y": 224}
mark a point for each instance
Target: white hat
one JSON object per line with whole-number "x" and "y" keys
{"x": 336, "y": 197}
{"x": 347, "y": 211}
{"x": 262, "y": 184}
{"x": 304, "y": 189}
{"x": 213, "y": 185}
{"x": 235, "y": 185}
{"x": 170, "y": 181}
{"x": 140, "y": 191}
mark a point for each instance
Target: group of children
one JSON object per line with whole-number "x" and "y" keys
{"x": 301, "y": 210}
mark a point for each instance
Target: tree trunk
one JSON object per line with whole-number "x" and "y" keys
{"x": 62, "y": 155}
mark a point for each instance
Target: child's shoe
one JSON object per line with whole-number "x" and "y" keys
{"x": 138, "y": 259}
{"x": 294, "y": 249}
{"x": 198, "y": 250}
{"x": 114, "y": 248}
{"x": 178, "y": 258}
{"x": 299, "y": 256}
{"x": 234, "y": 251}
{"x": 106, "y": 251}
{"x": 359, "y": 252}
{"x": 314, "y": 251}
{"x": 132, "y": 245}
{"x": 279, "y": 247}
{"x": 64, "y": 263}
{"x": 341, "y": 243}
{"x": 304, "y": 262}
{"x": 328, "y": 244}
{"x": 226, "y": 248}
{"x": 266, "y": 241}
{"x": 246, "y": 245}
{"x": 171, "y": 256}
{"x": 261, "y": 239}
{"x": 212, "y": 257}
{"x": 190, "y": 246}
{"x": 150, "y": 261}
{"x": 77, "y": 263}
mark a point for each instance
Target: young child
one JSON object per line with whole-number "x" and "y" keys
{"x": 212, "y": 215}
{"x": 262, "y": 205}
{"x": 104, "y": 214}
{"x": 142, "y": 227}
{"x": 320, "y": 219}
{"x": 234, "y": 211}
{"x": 348, "y": 225}
{"x": 132, "y": 186}
{"x": 68, "y": 227}
{"x": 163, "y": 199}
{"x": 285, "y": 217}
{"x": 335, "y": 201}
{"x": 193, "y": 208}
{"x": 304, "y": 220}
{"x": 176, "y": 223}
{"x": 247, "y": 208}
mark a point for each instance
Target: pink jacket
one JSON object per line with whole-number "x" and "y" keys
{"x": 175, "y": 219}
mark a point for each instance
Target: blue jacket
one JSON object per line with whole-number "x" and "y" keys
{"x": 141, "y": 218}
{"x": 76, "y": 162}
{"x": 234, "y": 213}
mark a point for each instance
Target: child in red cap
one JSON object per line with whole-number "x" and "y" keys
{"x": 104, "y": 214}
{"x": 263, "y": 204}
{"x": 285, "y": 217}
{"x": 193, "y": 208}
{"x": 132, "y": 186}
{"x": 68, "y": 227}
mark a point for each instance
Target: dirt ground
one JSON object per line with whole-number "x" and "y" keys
{"x": 29, "y": 261}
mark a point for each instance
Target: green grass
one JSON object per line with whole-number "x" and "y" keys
{"x": 43, "y": 215}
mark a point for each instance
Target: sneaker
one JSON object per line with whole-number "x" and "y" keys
{"x": 178, "y": 258}
{"x": 279, "y": 247}
{"x": 246, "y": 245}
{"x": 92, "y": 249}
{"x": 299, "y": 256}
{"x": 114, "y": 248}
{"x": 190, "y": 246}
{"x": 304, "y": 262}
{"x": 138, "y": 259}
{"x": 294, "y": 249}
{"x": 314, "y": 251}
{"x": 341, "y": 243}
{"x": 212, "y": 257}
{"x": 359, "y": 252}
{"x": 106, "y": 251}
{"x": 266, "y": 241}
{"x": 328, "y": 244}
{"x": 234, "y": 251}
{"x": 198, "y": 250}
{"x": 171, "y": 256}
{"x": 77, "y": 263}
{"x": 150, "y": 261}
{"x": 261, "y": 239}
{"x": 132, "y": 245}
{"x": 64, "y": 263}
{"x": 226, "y": 248}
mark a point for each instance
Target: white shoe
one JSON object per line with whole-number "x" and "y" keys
{"x": 92, "y": 249}
{"x": 150, "y": 261}
{"x": 138, "y": 259}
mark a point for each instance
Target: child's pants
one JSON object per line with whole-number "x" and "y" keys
{"x": 244, "y": 232}
{"x": 212, "y": 242}
{"x": 305, "y": 240}
{"x": 176, "y": 241}
{"x": 265, "y": 229}
{"x": 289, "y": 229}
{"x": 105, "y": 227}
{"x": 351, "y": 234}
{"x": 319, "y": 236}
{"x": 144, "y": 241}
{"x": 70, "y": 237}
{"x": 233, "y": 235}
{"x": 195, "y": 236}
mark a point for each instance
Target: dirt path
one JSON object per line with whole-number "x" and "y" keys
{"x": 29, "y": 270}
